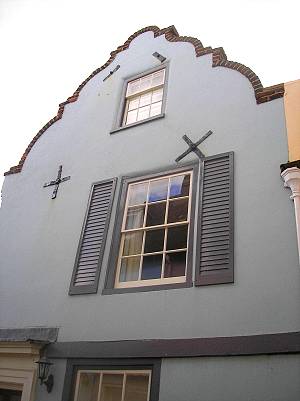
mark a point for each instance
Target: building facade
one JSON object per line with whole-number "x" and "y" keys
{"x": 148, "y": 245}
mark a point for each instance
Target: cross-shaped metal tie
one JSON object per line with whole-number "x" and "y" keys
{"x": 57, "y": 182}
{"x": 193, "y": 147}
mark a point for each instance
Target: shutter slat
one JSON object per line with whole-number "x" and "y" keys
{"x": 215, "y": 256}
{"x": 91, "y": 247}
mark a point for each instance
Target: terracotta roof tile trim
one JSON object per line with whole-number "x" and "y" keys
{"x": 219, "y": 58}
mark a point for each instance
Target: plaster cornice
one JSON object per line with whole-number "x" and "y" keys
{"x": 219, "y": 59}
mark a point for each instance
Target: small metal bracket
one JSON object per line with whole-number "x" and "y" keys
{"x": 111, "y": 72}
{"x": 193, "y": 147}
{"x": 160, "y": 57}
{"x": 57, "y": 182}
{"x": 49, "y": 383}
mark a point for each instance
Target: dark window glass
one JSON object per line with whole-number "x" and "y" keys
{"x": 175, "y": 264}
{"x": 177, "y": 237}
{"x": 179, "y": 186}
{"x": 178, "y": 210}
{"x": 151, "y": 267}
{"x": 156, "y": 214}
{"x": 154, "y": 241}
{"x": 10, "y": 395}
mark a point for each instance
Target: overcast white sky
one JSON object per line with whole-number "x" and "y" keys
{"x": 48, "y": 47}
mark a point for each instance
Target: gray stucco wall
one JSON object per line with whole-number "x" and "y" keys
{"x": 39, "y": 236}
{"x": 256, "y": 378}
{"x": 251, "y": 378}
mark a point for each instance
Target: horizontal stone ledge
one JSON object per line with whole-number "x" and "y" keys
{"x": 40, "y": 334}
{"x": 278, "y": 343}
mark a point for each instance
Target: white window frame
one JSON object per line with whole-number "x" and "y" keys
{"x": 162, "y": 280}
{"x": 139, "y": 94}
{"x": 115, "y": 372}
{"x": 119, "y": 121}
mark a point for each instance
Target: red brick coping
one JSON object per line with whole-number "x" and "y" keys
{"x": 219, "y": 60}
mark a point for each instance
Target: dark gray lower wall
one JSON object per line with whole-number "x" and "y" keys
{"x": 235, "y": 378}
{"x": 251, "y": 378}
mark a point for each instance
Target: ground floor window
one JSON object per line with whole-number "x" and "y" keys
{"x": 113, "y": 385}
{"x": 10, "y": 395}
{"x": 113, "y": 379}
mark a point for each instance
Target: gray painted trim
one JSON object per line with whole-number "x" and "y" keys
{"x": 114, "y": 251}
{"x": 47, "y": 334}
{"x": 277, "y": 343}
{"x": 92, "y": 289}
{"x": 119, "y": 116}
{"x": 147, "y": 120}
{"x": 92, "y": 364}
{"x": 110, "y": 291}
{"x": 220, "y": 276}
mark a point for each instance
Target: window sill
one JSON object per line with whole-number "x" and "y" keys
{"x": 137, "y": 123}
{"x": 159, "y": 287}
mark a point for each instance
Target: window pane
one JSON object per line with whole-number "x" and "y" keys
{"x": 158, "y": 78}
{"x": 158, "y": 190}
{"x": 88, "y": 387}
{"x": 175, "y": 263}
{"x": 136, "y": 388}
{"x": 156, "y": 214}
{"x": 133, "y": 243}
{"x": 177, "y": 237}
{"x": 137, "y": 193}
{"x": 145, "y": 83}
{"x": 154, "y": 241}
{"x": 111, "y": 388}
{"x": 131, "y": 117}
{"x": 135, "y": 217}
{"x": 155, "y": 109}
{"x": 143, "y": 113}
{"x": 157, "y": 95}
{"x": 145, "y": 99}
{"x": 178, "y": 210}
{"x": 130, "y": 269}
{"x": 134, "y": 103}
{"x": 151, "y": 267}
{"x": 133, "y": 87}
{"x": 179, "y": 186}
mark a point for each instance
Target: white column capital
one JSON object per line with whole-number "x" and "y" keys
{"x": 291, "y": 177}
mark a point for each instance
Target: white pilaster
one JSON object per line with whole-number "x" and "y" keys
{"x": 291, "y": 177}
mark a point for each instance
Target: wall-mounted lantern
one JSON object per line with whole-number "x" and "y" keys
{"x": 43, "y": 373}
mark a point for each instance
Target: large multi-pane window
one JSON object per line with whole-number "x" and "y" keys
{"x": 144, "y": 97}
{"x": 113, "y": 385}
{"x": 155, "y": 229}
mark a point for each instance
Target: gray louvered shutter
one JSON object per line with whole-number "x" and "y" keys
{"x": 215, "y": 246}
{"x": 92, "y": 241}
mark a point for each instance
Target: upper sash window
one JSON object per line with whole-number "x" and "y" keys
{"x": 144, "y": 97}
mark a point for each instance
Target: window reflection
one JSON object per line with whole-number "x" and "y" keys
{"x": 138, "y": 194}
{"x": 158, "y": 190}
{"x": 179, "y": 186}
